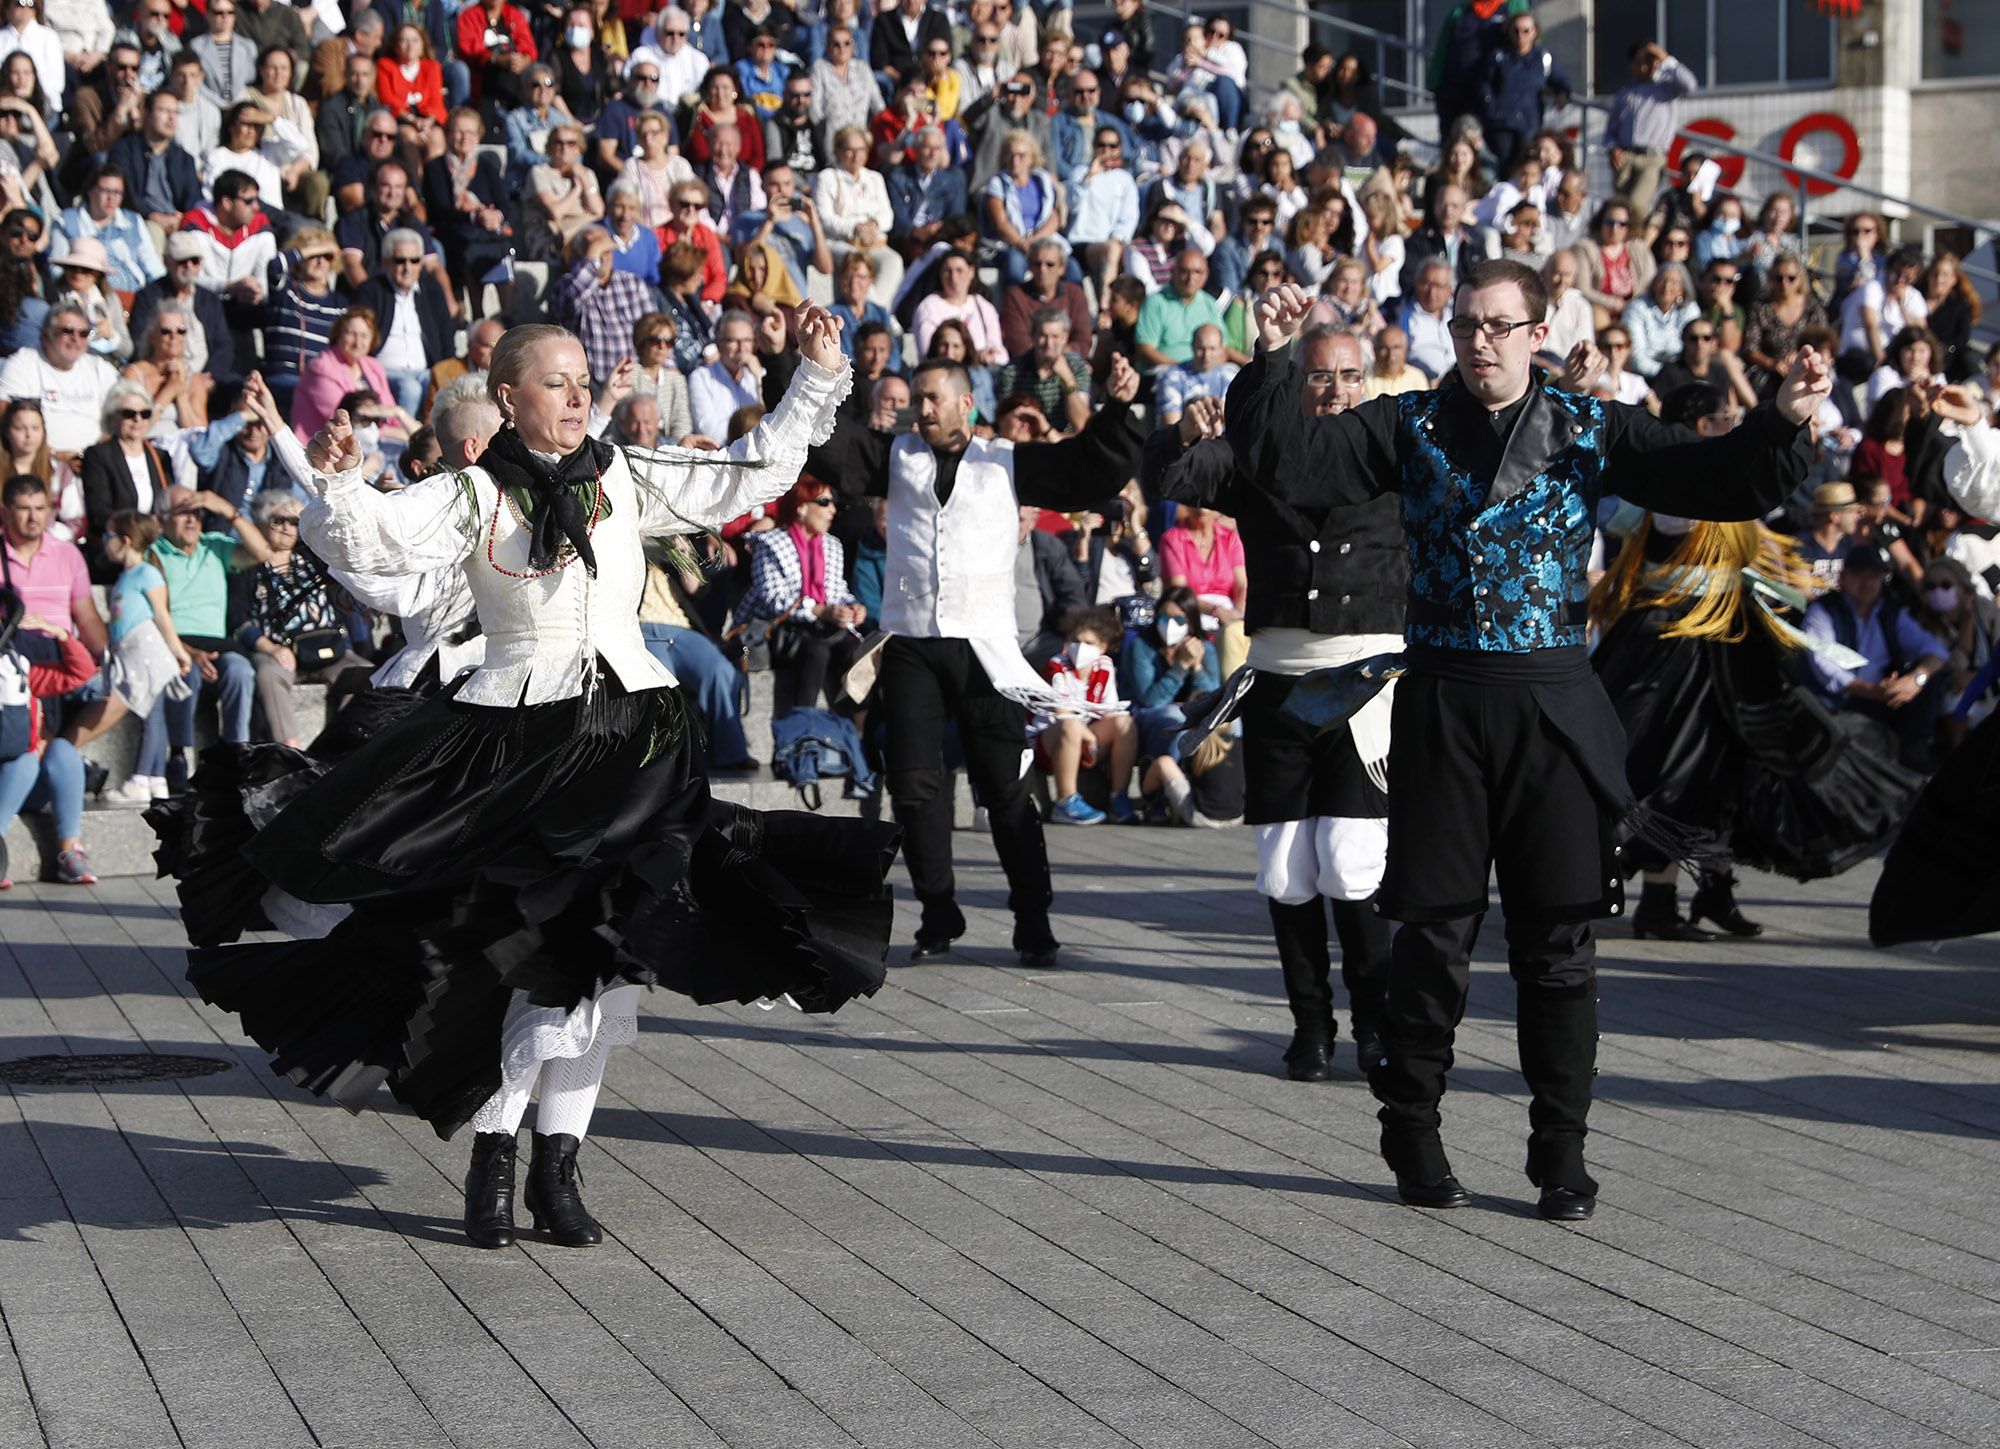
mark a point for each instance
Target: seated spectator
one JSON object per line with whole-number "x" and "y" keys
{"x": 1118, "y": 327}
{"x": 953, "y": 342}
{"x": 791, "y": 137}
{"x": 1239, "y": 326}
{"x": 1206, "y": 373}
{"x": 1913, "y": 360}
{"x": 106, "y": 107}
{"x": 1619, "y": 382}
{"x": 380, "y": 143}
{"x": 1569, "y": 316}
{"x": 1056, "y": 376}
{"x": 790, "y": 224}
{"x": 799, "y": 601}
{"x": 343, "y": 79}
{"x": 1612, "y": 268}
{"x": 1875, "y": 313}
{"x": 1902, "y": 684}
{"x": 681, "y": 271}
{"x": 303, "y": 309}
{"x": 1836, "y": 517}
{"x": 1392, "y": 372}
{"x": 180, "y": 395}
{"x": 721, "y": 106}
{"x": 853, "y": 282}
{"x": 923, "y": 192}
{"x": 562, "y": 197}
{"x": 1075, "y": 128}
{"x": 586, "y": 72}
{"x": 411, "y": 83}
{"x": 1069, "y": 742}
{"x": 763, "y": 288}
{"x": 290, "y": 141}
{"x": 871, "y": 564}
{"x": 761, "y": 77}
{"x": 1781, "y": 316}
{"x": 1444, "y": 235}
{"x": 598, "y": 302}
{"x": 83, "y": 287}
{"x": 635, "y": 422}
{"x": 1382, "y": 246}
{"x": 691, "y": 225}
{"x": 1161, "y": 241}
{"x": 161, "y": 180}
{"x": 132, "y": 258}
{"x": 635, "y": 249}
{"x": 496, "y": 44}
{"x": 123, "y": 474}
{"x": 1199, "y": 553}
{"x": 1345, "y": 303}
{"x": 69, "y": 381}
{"x": 1968, "y": 624}
{"x": 900, "y": 33}
{"x": 1882, "y": 453}
{"x": 713, "y": 683}
{"x": 236, "y": 238}
{"x": 1703, "y": 360}
{"x": 348, "y": 363}
{"x": 201, "y": 115}
{"x": 956, "y": 298}
{"x": 854, "y": 210}
{"x": 1170, "y": 318}
{"x": 228, "y": 60}
{"x": 292, "y": 603}
{"x": 1047, "y": 588}
{"x": 1104, "y": 210}
{"x": 244, "y": 466}
{"x": 26, "y": 444}
{"x": 1722, "y": 238}
{"x": 210, "y": 347}
{"x": 1112, "y": 550}
{"x": 1309, "y": 250}
{"x": 415, "y": 319}
{"x": 466, "y": 201}
{"x": 54, "y": 584}
{"x": 531, "y": 124}
{"x": 1044, "y": 287}
{"x": 659, "y": 378}
{"x": 845, "y": 90}
{"x": 734, "y": 189}
{"x": 1168, "y": 665}
{"x": 655, "y": 168}
{"x": 1655, "y": 320}
{"x": 1426, "y": 318}
{"x": 1023, "y": 207}
{"x": 241, "y": 149}
{"x": 1952, "y": 311}
{"x": 730, "y": 382}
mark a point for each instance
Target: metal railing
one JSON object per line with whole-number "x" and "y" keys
{"x": 1349, "y": 35}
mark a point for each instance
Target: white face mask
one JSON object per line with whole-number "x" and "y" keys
{"x": 1171, "y": 628}
{"x": 1287, "y": 128}
{"x": 1731, "y": 225}
{"x": 370, "y": 438}
{"x": 1083, "y": 655}
{"x": 1942, "y": 601}
{"x": 579, "y": 36}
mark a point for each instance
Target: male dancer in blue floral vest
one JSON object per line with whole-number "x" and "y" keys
{"x": 1505, "y": 755}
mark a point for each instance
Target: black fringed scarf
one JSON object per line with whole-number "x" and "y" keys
{"x": 557, "y": 502}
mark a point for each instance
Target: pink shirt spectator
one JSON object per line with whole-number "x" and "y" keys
{"x": 324, "y": 382}
{"x": 53, "y": 581}
{"x": 1212, "y": 577}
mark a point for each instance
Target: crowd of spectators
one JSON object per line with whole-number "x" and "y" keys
{"x": 221, "y": 217}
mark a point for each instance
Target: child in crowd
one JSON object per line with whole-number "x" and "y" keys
{"x": 1099, "y": 730}
{"x": 147, "y": 656}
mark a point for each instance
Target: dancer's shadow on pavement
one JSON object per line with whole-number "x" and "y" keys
{"x": 98, "y": 1177}
{"x": 720, "y": 1134}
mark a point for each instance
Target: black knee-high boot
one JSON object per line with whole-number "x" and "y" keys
{"x": 1366, "y": 941}
{"x": 1302, "y": 956}
{"x": 1426, "y": 1000}
{"x": 1558, "y": 1045}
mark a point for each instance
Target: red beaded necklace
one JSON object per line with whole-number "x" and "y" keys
{"x": 566, "y": 555}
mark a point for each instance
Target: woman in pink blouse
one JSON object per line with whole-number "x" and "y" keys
{"x": 955, "y": 298}
{"x": 344, "y": 367}
{"x": 1198, "y": 553}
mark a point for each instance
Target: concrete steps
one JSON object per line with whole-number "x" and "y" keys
{"x": 120, "y": 843}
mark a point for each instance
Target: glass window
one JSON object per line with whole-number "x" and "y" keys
{"x": 1686, "y": 34}
{"x": 1619, "y": 28}
{"x": 1746, "y": 44}
{"x": 1959, "y": 40}
{"x": 1808, "y": 42}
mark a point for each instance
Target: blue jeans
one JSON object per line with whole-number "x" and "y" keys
{"x": 409, "y": 390}
{"x": 1228, "y": 102}
{"x": 52, "y": 780}
{"x": 711, "y": 681}
{"x": 171, "y": 726}
{"x": 457, "y": 83}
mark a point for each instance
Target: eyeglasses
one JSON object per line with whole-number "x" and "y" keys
{"x": 826, "y": 502}
{"x": 173, "y": 331}
{"x": 1724, "y": 279}
{"x": 1110, "y": 145}
{"x": 1701, "y": 336}
{"x": 985, "y": 40}
{"x": 283, "y": 520}
{"x": 1494, "y": 327}
{"x": 19, "y": 233}
{"x": 938, "y": 50}
{"x": 71, "y": 331}
{"x": 687, "y": 206}
{"x": 1083, "y": 90}
{"x": 130, "y": 68}
{"x": 541, "y": 85}
{"x": 1618, "y": 221}
{"x": 406, "y": 261}
{"x": 1677, "y": 241}
{"x": 841, "y": 44}
{"x": 654, "y": 339}
{"x": 673, "y": 35}
{"x": 375, "y": 135}
{"x": 645, "y": 78}
{"x": 1352, "y": 376}
{"x": 128, "y": 414}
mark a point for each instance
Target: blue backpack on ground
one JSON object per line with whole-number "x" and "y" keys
{"x": 811, "y": 745}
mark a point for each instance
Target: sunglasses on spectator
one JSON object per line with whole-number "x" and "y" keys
{"x": 72, "y": 331}
{"x": 937, "y": 50}
{"x": 654, "y": 339}
{"x": 683, "y": 204}
{"x": 128, "y": 414}
{"x": 1724, "y": 279}
{"x": 1109, "y": 143}
{"x": 985, "y": 40}
{"x": 1619, "y": 221}
{"x": 16, "y": 233}
{"x": 172, "y": 331}
{"x": 674, "y": 35}
{"x": 283, "y": 520}
{"x": 406, "y": 261}
{"x": 375, "y": 135}
{"x": 822, "y": 502}
{"x": 645, "y": 78}
{"x": 541, "y": 85}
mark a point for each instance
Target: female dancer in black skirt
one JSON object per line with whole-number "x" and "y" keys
{"x": 478, "y": 893}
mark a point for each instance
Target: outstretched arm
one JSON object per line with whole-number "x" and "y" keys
{"x": 1092, "y": 466}
{"x": 1972, "y": 466}
{"x": 352, "y": 526}
{"x": 1742, "y": 475}
{"x": 1191, "y": 462}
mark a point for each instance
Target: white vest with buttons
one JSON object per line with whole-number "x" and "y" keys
{"x": 951, "y": 565}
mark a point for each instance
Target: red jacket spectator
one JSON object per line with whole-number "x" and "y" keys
{"x": 475, "y": 21}
{"x": 48, "y": 681}
{"x": 425, "y": 93}
{"x": 714, "y": 268}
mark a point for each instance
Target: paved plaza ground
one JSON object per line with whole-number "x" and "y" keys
{"x": 1060, "y": 1209}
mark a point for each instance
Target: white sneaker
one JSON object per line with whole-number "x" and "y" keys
{"x": 135, "y": 793}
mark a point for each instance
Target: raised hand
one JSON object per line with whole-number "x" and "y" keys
{"x": 1123, "y": 384}
{"x": 619, "y": 385}
{"x": 1956, "y": 405}
{"x": 1280, "y": 313}
{"x": 1201, "y": 419}
{"x": 819, "y": 337}
{"x": 1582, "y": 368}
{"x": 335, "y": 449}
{"x": 1806, "y": 386}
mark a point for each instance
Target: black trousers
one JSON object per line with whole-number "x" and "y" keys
{"x": 824, "y": 654}
{"x": 1491, "y": 787}
{"x": 926, "y": 683}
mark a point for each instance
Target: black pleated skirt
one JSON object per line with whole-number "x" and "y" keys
{"x": 1942, "y": 878}
{"x": 1721, "y": 740}
{"x": 551, "y": 849}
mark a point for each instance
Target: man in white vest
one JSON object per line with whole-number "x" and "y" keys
{"x": 948, "y": 605}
